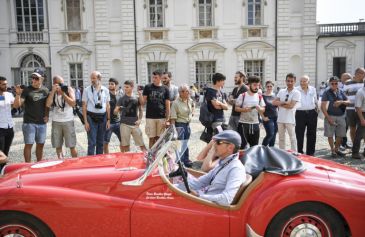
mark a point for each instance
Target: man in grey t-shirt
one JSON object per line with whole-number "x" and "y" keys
{"x": 131, "y": 114}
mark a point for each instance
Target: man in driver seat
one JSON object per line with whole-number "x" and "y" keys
{"x": 221, "y": 184}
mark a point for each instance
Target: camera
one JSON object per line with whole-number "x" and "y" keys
{"x": 64, "y": 88}
{"x": 98, "y": 105}
{"x": 140, "y": 88}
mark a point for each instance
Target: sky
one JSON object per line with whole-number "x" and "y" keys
{"x": 340, "y": 11}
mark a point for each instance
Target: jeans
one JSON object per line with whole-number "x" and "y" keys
{"x": 271, "y": 128}
{"x": 185, "y": 135}
{"x": 34, "y": 133}
{"x": 114, "y": 128}
{"x": 95, "y": 136}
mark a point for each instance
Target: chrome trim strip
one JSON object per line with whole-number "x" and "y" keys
{"x": 3, "y": 170}
{"x": 250, "y": 232}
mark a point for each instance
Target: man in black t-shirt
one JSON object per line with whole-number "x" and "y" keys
{"x": 157, "y": 97}
{"x": 35, "y": 114}
{"x": 239, "y": 81}
{"x": 114, "y": 118}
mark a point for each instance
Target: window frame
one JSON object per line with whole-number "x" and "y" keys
{"x": 252, "y": 4}
{"x": 67, "y": 15}
{"x": 204, "y": 73}
{"x": 155, "y": 23}
{"x": 76, "y": 79}
{"x": 212, "y": 13}
{"x": 158, "y": 64}
{"x": 250, "y": 69}
{"x": 27, "y": 17}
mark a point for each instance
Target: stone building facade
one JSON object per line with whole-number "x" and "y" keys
{"x": 128, "y": 39}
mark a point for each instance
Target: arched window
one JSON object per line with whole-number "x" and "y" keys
{"x": 27, "y": 66}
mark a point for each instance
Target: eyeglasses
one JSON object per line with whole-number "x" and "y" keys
{"x": 334, "y": 83}
{"x": 220, "y": 142}
{"x": 35, "y": 78}
{"x": 286, "y": 97}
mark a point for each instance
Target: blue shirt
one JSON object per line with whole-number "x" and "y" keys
{"x": 331, "y": 96}
{"x": 225, "y": 184}
{"x": 92, "y": 97}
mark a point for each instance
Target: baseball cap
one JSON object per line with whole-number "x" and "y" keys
{"x": 334, "y": 78}
{"x": 229, "y": 136}
{"x": 38, "y": 72}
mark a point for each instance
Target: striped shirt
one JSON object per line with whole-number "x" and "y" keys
{"x": 350, "y": 88}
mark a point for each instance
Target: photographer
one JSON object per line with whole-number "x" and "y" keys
{"x": 96, "y": 112}
{"x": 61, "y": 99}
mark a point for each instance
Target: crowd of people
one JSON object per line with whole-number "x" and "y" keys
{"x": 119, "y": 110}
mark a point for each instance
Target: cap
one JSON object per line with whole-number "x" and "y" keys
{"x": 229, "y": 136}
{"x": 334, "y": 78}
{"x": 38, "y": 72}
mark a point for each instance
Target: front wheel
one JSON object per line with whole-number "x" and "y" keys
{"x": 306, "y": 219}
{"x": 22, "y": 225}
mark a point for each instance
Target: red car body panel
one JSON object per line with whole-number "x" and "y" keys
{"x": 86, "y": 197}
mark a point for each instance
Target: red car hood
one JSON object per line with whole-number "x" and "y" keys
{"x": 337, "y": 173}
{"x": 93, "y": 172}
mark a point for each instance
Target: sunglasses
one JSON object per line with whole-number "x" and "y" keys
{"x": 286, "y": 97}
{"x": 220, "y": 142}
{"x": 35, "y": 78}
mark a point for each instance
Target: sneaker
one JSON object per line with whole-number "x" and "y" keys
{"x": 348, "y": 146}
{"x": 342, "y": 148}
{"x": 356, "y": 156}
{"x": 340, "y": 153}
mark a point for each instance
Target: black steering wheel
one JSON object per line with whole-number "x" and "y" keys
{"x": 181, "y": 171}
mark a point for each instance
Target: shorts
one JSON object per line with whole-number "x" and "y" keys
{"x": 339, "y": 129}
{"x": 126, "y": 131}
{"x": 154, "y": 127}
{"x": 351, "y": 118}
{"x": 34, "y": 133}
{"x": 63, "y": 131}
{"x": 114, "y": 128}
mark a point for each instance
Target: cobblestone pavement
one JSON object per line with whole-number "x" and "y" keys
{"x": 195, "y": 145}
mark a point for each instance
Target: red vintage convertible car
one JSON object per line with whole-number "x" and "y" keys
{"x": 132, "y": 194}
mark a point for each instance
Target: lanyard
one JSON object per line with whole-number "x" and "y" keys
{"x": 224, "y": 165}
{"x": 98, "y": 94}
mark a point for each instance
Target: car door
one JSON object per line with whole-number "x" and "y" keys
{"x": 160, "y": 211}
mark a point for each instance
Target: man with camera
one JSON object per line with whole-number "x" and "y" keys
{"x": 61, "y": 99}
{"x": 96, "y": 112}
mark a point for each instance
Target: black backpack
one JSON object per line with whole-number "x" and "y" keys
{"x": 206, "y": 117}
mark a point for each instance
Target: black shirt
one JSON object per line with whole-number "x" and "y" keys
{"x": 271, "y": 110}
{"x": 129, "y": 110}
{"x": 235, "y": 93}
{"x": 114, "y": 118}
{"x": 156, "y": 101}
{"x": 34, "y": 104}
{"x": 213, "y": 94}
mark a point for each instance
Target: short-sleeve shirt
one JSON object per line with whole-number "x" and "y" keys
{"x": 62, "y": 111}
{"x": 213, "y": 94}
{"x": 350, "y": 89}
{"x": 247, "y": 100}
{"x": 6, "y": 100}
{"x": 34, "y": 104}
{"x": 91, "y": 97}
{"x": 156, "y": 101}
{"x": 237, "y": 91}
{"x": 331, "y": 97}
{"x": 360, "y": 99}
{"x": 173, "y": 92}
{"x": 129, "y": 109}
{"x": 114, "y": 118}
{"x": 181, "y": 111}
{"x": 287, "y": 115}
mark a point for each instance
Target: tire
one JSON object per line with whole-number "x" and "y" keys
{"x": 306, "y": 219}
{"x": 21, "y": 224}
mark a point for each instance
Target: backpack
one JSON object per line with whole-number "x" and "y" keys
{"x": 206, "y": 117}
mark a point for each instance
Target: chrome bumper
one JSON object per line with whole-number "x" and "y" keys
{"x": 250, "y": 232}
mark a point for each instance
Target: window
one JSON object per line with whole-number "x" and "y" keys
{"x": 29, "y": 15}
{"x": 73, "y": 15}
{"x": 153, "y": 66}
{"x": 76, "y": 75}
{"x": 205, "y": 13}
{"x": 339, "y": 66}
{"x": 27, "y": 66}
{"x": 156, "y": 13}
{"x": 255, "y": 68}
{"x": 204, "y": 72}
{"x": 254, "y": 12}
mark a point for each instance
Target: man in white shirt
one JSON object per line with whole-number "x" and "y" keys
{"x": 306, "y": 116}
{"x": 287, "y": 100}
{"x": 62, "y": 100}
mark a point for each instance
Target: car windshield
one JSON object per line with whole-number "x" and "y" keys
{"x": 167, "y": 146}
